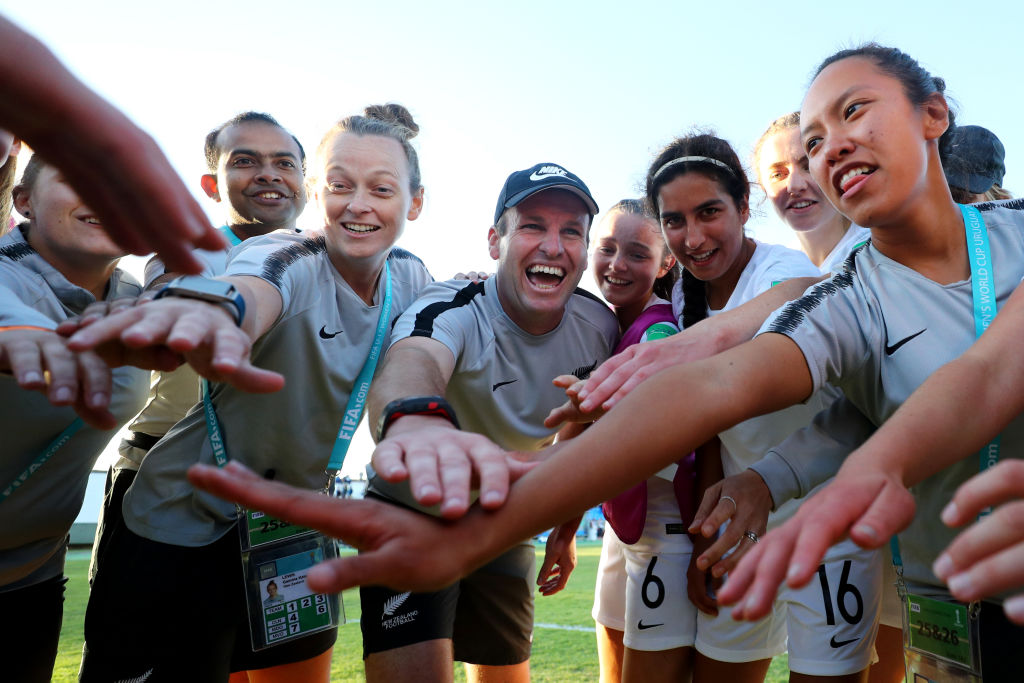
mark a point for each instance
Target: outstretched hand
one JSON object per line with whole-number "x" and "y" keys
{"x": 398, "y": 547}
{"x": 444, "y": 464}
{"x": 204, "y": 334}
{"x": 987, "y": 558}
{"x": 559, "y": 558}
{"x": 869, "y": 507}
{"x": 744, "y": 501}
{"x": 570, "y": 410}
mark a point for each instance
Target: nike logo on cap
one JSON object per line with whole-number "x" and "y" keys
{"x": 889, "y": 350}
{"x": 839, "y": 643}
{"x": 547, "y": 171}
{"x": 501, "y": 384}
{"x": 643, "y": 627}
{"x": 324, "y": 334}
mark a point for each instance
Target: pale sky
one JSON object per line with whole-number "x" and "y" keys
{"x": 595, "y": 86}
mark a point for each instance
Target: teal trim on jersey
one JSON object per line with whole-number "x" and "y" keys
{"x": 41, "y": 459}
{"x": 983, "y": 294}
{"x": 232, "y": 237}
{"x": 356, "y": 400}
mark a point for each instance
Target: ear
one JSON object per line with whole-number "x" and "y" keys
{"x": 209, "y": 185}
{"x": 493, "y": 242}
{"x": 15, "y": 148}
{"x": 22, "y": 201}
{"x": 667, "y": 264}
{"x": 935, "y": 112}
{"x": 416, "y": 206}
{"x": 744, "y": 213}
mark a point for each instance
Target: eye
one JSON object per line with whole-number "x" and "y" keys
{"x": 777, "y": 175}
{"x": 811, "y": 144}
{"x": 336, "y": 187}
{"x": 572, "y": 232}
{"x": 709, "y": 212}
{"x": 607, "y": 251}
{"x": 241, "y": 162}
{"x": 287, "y": 163}
{"x": 639, "y": 256}
{"x": 384, "y": 190}
{"x": 852, "y": 109}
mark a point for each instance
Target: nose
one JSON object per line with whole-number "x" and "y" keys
{"x": 268, "y": 173}
{"x": 359, "y": 203}
{"x": 618, "y": 263}
{"x": 694, "y": 236}
{"x": 836, "y": 146}
{"x": 798, "y": 181}
{"x": 551, "y": 244}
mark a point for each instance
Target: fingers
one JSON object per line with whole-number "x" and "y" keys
{"x": 565, "y": 381}
{"x": 493, "y": 471}
{"x": 712, "y": 497}
{"x": 421, "y": 459}
{"x": 697, "y": 589}
{"x": 987, "y": 558}
{"x": 388, "y": 461}
{"x": 560, "y": 415}
{"x": 605, "y": 382}
{"x": 725, "y": 510}
{"x": 1003, "y": 482}
{"x": 889, "y": 512}
{"x": 730, "y": 537}
{"x": 96, "y": 381}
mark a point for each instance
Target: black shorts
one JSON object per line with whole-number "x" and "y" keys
{"x": 33, "y": 615}
{"x": 488, "y": 615}
{"x": 1001, "y": 642}
{"x": 176, "y": 611}
{"x": 114, "y": 488}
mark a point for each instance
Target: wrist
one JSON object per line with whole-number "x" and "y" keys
{"x": 418, "y": 406}
{"x": 217, "y": 292}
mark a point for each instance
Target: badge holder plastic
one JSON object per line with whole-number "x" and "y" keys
{"x": 941, "y": 640}
{"x": 281, "y": 606}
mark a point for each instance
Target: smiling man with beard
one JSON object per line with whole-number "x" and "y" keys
{"x": 468, "y": 377}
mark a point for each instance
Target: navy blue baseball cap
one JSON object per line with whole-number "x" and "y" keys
{"x": 976, "y": 159}
{"x": 546, "y": 176}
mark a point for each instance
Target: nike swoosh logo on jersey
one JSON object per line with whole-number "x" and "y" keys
{"x": 889, "y": 350}
{"x": 839, "y": 643}
{"x": 547, "y": 172}
{"x": 501, "y": 384}
{"x": 324, "y": 334}
{"x": 643, "y": 627}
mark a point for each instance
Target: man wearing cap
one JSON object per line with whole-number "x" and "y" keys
{"x": 976, "y": 165}
{"x": 469, "y": 377}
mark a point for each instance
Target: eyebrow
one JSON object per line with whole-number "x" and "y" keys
{"x": 814, "y": 124}
{"x": 254, "y": 153}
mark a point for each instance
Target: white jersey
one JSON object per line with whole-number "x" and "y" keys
{"x": 747, "y": 442}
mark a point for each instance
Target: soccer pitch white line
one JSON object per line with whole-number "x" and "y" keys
{"x": 553, "y": 627}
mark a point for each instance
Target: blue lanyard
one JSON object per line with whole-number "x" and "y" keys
{"x": 984, "y": 298}
{"x": 356, "y": 400}
{"x": 232, "y": 237}
{"x": 41, "y": 459}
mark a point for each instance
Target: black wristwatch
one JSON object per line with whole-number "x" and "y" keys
{"x": 414, "y": 405}
{"x": 216, "y": 292}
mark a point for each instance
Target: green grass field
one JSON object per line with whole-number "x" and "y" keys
{"x": 558, "y": 654}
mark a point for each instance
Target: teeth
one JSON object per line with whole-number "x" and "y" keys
{"x": 93, "y": 220}
{"x": 360, "y": 227}
{"x": 547, "y": 270}
{"x": 801, "y": 205}
{"x": 703, "y": 256}
{"x": 270, "y": 195}
{"x": 616, "y": 281}
{"x": 853, "y": 173}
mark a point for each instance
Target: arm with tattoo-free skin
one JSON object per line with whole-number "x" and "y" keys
{"x": 115, "y": 167}
{"x": 869, "y": 500}
{"x": 623, "y": 372}
{"x": 204, "y": 334}
{"x": 439, "y": 461}
{"x": 398, "y": 546}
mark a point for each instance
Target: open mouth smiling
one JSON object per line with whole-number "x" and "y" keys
{"x": 360, "y": 228}
{"x": 851, "y": 178}
{"x": 545, "y": 277}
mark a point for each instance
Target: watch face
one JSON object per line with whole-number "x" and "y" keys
{"x": 202, "y": 285}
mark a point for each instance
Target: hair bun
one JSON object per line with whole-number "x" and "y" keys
{"x": 394, "y": 114}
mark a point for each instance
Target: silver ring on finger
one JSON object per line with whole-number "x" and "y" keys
{"x": 731, "y": 500}
{"x": 754, "y": 538}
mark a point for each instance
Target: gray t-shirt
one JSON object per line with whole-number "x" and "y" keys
{"x": 319, "y": 343}
{"x": 171, "y": 394}
{"x": 36, "y": 517}
{"x": 879, "y": 329}
{"x": 501, "y": 385}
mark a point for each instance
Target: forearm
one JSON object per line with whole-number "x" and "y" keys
{"x": 407, "y": 371}
{"x": 593, "y": 467}
{"x": 737, "y": 325}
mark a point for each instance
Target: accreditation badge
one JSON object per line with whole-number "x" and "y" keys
{"x": 941, "y": 640}
{"x": 276, "y": 556}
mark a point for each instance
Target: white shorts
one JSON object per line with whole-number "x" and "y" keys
{"x": 659, "y": 614}
{"x": 831, "y": 622}
{"x": 610, "y": 592}
{"x": 892, "y": 606}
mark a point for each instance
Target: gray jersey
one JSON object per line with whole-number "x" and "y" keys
{"x": 879, "y": 329}
{"x": 319, "y": 343}
{"x": 171, "y": 394}
{"x": 36, "y": 517}
{"x": 501, "y": 385}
